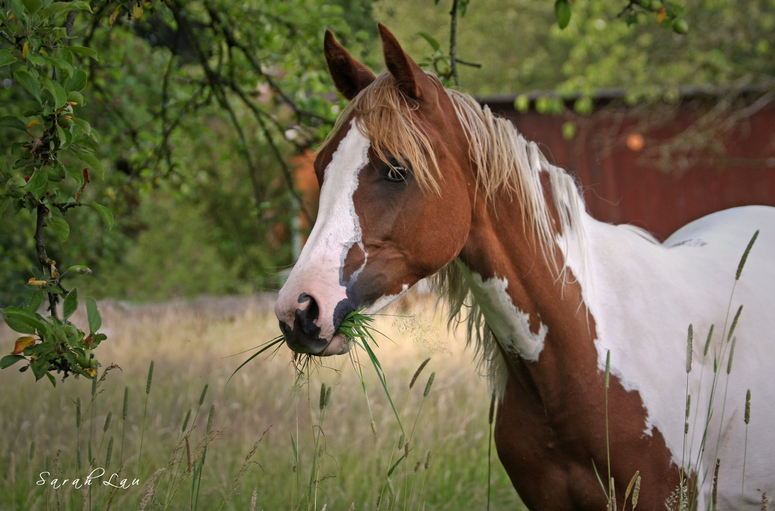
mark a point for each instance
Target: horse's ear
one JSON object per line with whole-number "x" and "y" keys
{"x": 350, "y": 76}
{"x": 411, "y": 79}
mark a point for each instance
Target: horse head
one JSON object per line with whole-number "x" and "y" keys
{"x": 395, "y": 198}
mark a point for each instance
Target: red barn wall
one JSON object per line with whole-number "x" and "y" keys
{"x": 622, "y": 185}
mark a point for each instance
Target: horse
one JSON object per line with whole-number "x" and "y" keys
{"x": 582, "y": 326}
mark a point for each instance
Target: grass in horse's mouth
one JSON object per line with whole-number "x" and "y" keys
{"x": 357, "y": 329}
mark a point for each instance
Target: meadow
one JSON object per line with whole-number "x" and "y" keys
{"x": 190, "y": 438}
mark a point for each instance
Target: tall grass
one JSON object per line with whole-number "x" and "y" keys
{"x": 249, "y": 448}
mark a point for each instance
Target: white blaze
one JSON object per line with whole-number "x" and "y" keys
{"x": 318, "y": 271}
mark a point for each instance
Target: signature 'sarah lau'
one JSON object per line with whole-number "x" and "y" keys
{"x": 98, "y": 472}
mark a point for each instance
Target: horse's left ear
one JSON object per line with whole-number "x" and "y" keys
{"x": 349, "y": 75}
{"x": 410, "y": 78}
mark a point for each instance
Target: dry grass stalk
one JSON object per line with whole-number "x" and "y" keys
{"x": 629, "y": 488}
{"x": 714, "y": 494}
{"x": 148, "y": 489}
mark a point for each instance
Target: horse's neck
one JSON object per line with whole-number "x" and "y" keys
{"x": 538, "y": 318}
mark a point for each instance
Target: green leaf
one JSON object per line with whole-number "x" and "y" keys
{"x": 82, "y": 50}
{"x": 6, "y": 57}
{"x": 76, "y": 97}
{"x": 18, "y": 325}
{"x": 28, "y": 81}
{"x": 9, "y": 360}
{"x": 16, "y": 317}
{"x": 36, "y": 60}
{"x": 562, "y": 10}
{"x": 38, "y": 180}
{"x": 10, "y": 121}
{"x": 59, "y": 63}
{"x": 4, "y": 204}
{"x": 79, "y": 268}
{"x": 51, "y": 379}
{"x": 39, "y": 368}
{"x": 57, "y": 92}
{"x": 32, "y": 6}
{"x": 60, "y": 226}
{"x": 74, "y": 171}
{"x": 96, "y": 164}
{"x": 71, "y": 303}
{"x": 105, "y": 213}
{"x": 95, "y": 321}
{"x": 433, "y": 42}
{"x": 35, "y": 302}
{"x": 55, "y": 9}
{"x": 77, "y": 80}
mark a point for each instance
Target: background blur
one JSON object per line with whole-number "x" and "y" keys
{"x": 209, "y": 200}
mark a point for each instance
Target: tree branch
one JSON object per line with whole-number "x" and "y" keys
{"x": 43, "y": 260}
{"x": 453, "y": 42}
{"x": 232, "y": 42}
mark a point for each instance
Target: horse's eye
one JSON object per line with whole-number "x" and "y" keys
{"x": 397, "y": 174}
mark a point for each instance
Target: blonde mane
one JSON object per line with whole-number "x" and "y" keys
{"x": 505, "y": 163}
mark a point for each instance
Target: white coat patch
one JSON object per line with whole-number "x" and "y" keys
{"x": 510, "y": 325}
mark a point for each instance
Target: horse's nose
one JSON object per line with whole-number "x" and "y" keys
{"x": 304, "y": 335}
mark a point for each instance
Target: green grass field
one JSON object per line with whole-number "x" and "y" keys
{"x": 190, "y": 349}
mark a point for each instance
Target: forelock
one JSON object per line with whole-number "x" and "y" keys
{"x": 388, "y": 118}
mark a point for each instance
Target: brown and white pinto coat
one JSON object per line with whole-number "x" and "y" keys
{"x": 556, "y": 289}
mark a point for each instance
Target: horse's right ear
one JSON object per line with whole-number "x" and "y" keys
{"x": 350, "y": 76}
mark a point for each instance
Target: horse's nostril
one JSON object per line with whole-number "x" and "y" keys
{"x": 307, "y": 317}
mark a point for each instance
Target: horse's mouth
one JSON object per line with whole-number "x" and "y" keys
{"x": 339, "y": 345}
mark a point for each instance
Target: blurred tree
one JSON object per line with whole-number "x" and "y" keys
{"x": 203, "y": 101}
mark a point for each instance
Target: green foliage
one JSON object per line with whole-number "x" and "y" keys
{"x": 521, "y": 48}
{"x": 46, "y": 166}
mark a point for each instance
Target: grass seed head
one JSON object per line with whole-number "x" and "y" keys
{"x": 185, "y": 421}
{"x": 429, "y": 385}
{"x": 734, "y": 323}
{"x": 150, "y": 379}
{"x": 210, "y": 418}
{"x": 707, "y": 343}
{"x": 322, "y": 396}
{"x": 107, "y": 422}
{"x": 689, "y": 349}
{"x": 110, "y": 453}
{"x": 731, "y": 355}
{"x": 328, "y": 395}
{"x": 745, "y": 255}
{"x": 126, "y": 403}
{"x": 427, "y": 460}
{"x": 418, "y": 371}
{"x": 607, "y": 368}
{"x": 747, "y": 417}
{"x": 204, "y": 393}
{"x": 401, "y": 441}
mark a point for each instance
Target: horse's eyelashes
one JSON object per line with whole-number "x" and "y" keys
{"x": 397, "y": 173}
